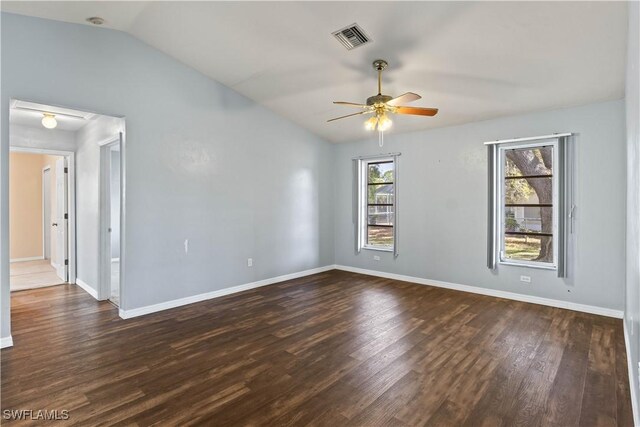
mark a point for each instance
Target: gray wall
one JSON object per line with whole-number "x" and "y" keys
{"x": 632, "y": 314}
{"x": 203, "y": 163}
{"x": 443, "y": 205}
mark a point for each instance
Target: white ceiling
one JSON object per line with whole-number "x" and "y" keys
{"x": 472, "y": 60}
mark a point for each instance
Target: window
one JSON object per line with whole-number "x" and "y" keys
{"x": 528, "y": 194}
{"x": 377, "y": 203}
{"x": 529, "y": 214}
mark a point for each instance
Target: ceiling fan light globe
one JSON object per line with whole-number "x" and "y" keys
{"x": 384, "y": 123}
{"x": 371, "y": 123}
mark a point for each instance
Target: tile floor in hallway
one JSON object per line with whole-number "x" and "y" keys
{"x": 33, "y": 274}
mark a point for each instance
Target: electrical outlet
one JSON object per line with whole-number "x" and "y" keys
{"x": 526, "y": 279}
{"x": 186, "y": 246}
{"x": 249, "y": 262}
{"x": 376, "y": 257}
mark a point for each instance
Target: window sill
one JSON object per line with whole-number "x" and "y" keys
{"x": 374, "y": 248}
{"x": 528, "y": 265}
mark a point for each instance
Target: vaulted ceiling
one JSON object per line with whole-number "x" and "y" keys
{"x": 472, "y": 60}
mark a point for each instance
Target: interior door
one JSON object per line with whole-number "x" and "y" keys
{"x": 62, "y": 221}
{"x": 46, "y": 212}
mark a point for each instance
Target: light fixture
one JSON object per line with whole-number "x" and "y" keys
{"x": 379, "y": 122}
{"x": 49, "y": 121}
{"x": 371, "y": 123}
{"x": 384, "y": 123}
{"x": 381, "y": 106}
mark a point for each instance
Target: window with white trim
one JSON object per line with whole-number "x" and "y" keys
{"x": 377, "y": 201}
{"x": 531, "y": 205}
{"x": 528, "y": 209}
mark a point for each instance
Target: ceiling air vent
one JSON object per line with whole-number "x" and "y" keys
{"x": 351, "y": 36}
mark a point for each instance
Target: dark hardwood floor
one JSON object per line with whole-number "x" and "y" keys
{"x": 332, "y": 349}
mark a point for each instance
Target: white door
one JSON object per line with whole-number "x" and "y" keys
{"x": 46, "y": 213}
{"x": 61, "y": 220}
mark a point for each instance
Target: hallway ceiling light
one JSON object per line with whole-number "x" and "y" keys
{"x": 49, "y": 121}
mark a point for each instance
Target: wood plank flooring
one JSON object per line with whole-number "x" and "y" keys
{"x": 332, "y": 349}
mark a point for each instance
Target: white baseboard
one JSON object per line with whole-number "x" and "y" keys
{"x": 135, "y": 312}
{"x": 6, "y": 342}
{"x": 618, "y": 314}
{"x": 632, "y": 373}
{"x": 31, "y": 258}
{"x": 87, "y": 288}
{"x": 127, "y": 314}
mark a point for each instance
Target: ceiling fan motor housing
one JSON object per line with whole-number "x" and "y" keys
{"x": 378, "y": 99}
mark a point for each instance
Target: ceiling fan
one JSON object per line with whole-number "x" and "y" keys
{"x": 380, "y": 105}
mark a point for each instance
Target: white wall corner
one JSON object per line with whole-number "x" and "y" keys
{"x": 87, "y": 288}
{"x": 6, "y": 342}
{"x": 601, "y": 311}
{"x": 141, "y": 311}
{"x": 632, "y": 372}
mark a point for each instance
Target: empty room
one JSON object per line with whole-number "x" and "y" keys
{"x": 320, "y": 213}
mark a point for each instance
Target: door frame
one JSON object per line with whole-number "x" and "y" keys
{"x": 44, "y": 222}
{"x": 71, "y": 201}
{"x": 104, "y": 291}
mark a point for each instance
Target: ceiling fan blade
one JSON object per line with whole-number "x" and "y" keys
{"x": 418, "y": 111}
{"x": 349, "y": 115}
{"x": 352, "y": 104}
{"x": 404, "y": 98}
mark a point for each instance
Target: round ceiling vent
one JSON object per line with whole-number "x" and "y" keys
{"x": 95, "y": 20}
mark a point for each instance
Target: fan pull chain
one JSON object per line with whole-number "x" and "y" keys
{"x": 380, "y": 139}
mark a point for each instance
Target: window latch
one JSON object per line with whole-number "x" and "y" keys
{"x": 571, "y": 218}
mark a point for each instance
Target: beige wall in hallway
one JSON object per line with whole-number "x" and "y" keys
{"x": 25, "y": 205}
{"x": 25, "y": 200}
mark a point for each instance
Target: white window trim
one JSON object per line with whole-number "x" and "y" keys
{"x": 363, "y": 164}
{"x": 500, "y": 208}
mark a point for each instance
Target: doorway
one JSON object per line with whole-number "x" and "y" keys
{"x": 110, "y": 177}
{"x": 72, "y": 226}
{"x": 39, "y": 218}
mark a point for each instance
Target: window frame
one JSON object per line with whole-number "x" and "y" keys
{"x": 501, "y": 208}
{"x": 363, "y": 202}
